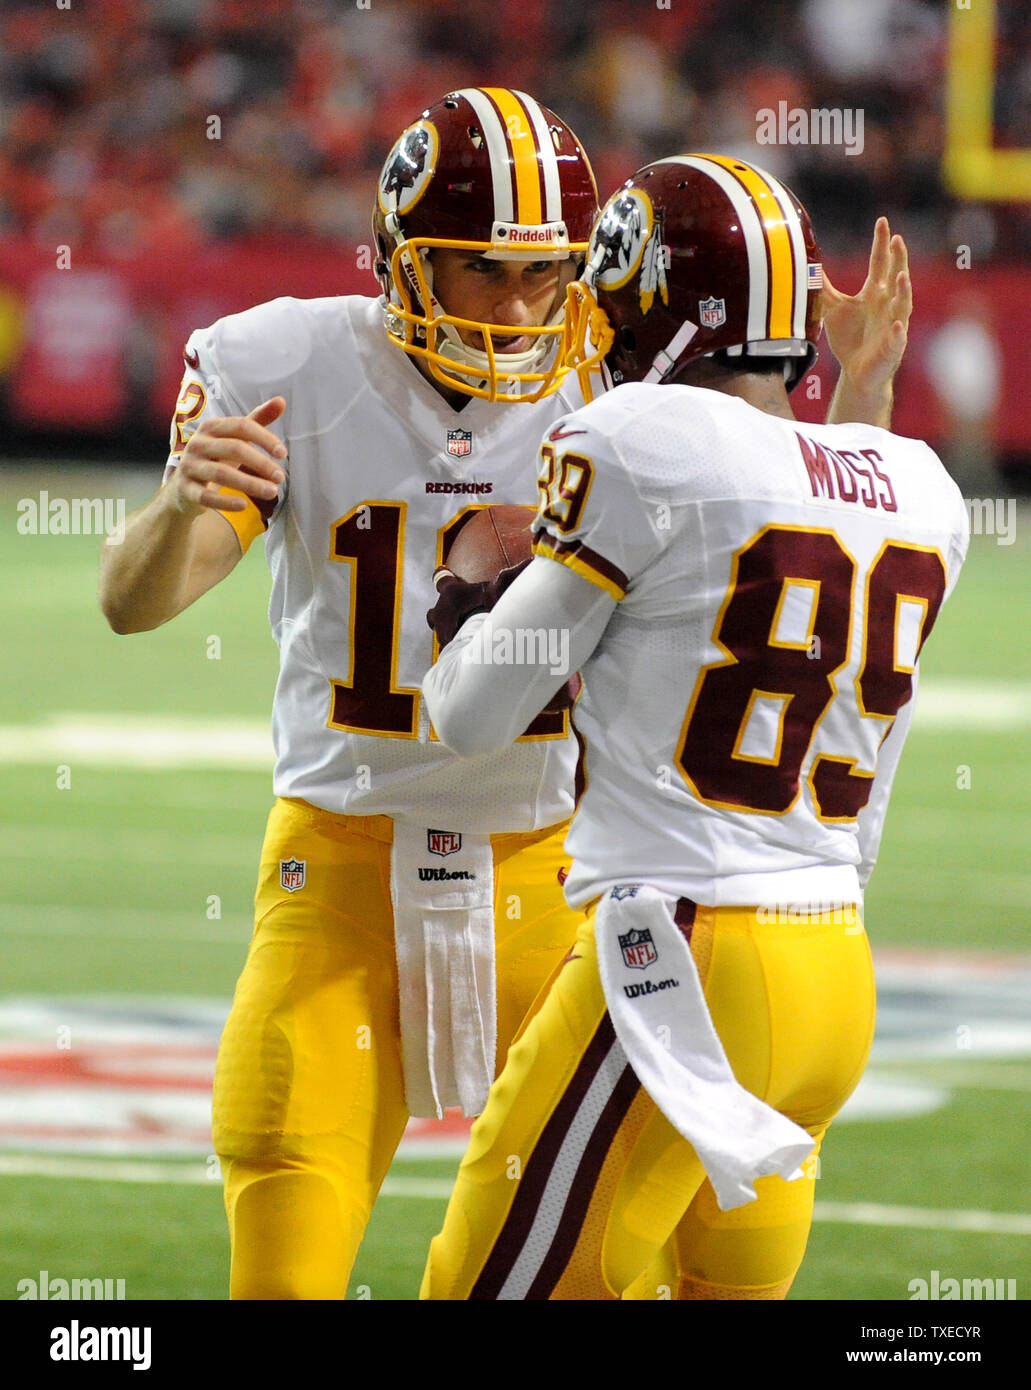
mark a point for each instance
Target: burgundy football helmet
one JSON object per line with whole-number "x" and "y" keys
{"x": 696, "y": 255}
{"x": 489, "y": 171}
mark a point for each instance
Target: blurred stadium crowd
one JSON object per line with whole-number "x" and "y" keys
{"x": 185, "y": 159}
{"x": 105, "y": 106}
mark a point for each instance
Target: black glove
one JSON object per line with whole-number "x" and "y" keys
{"x": 460, "y": 600}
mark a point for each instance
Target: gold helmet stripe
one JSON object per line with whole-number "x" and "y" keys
{"x": 523, "y": 146}
{"x": 548, "y": 157}
{"x": 793, "y": 223}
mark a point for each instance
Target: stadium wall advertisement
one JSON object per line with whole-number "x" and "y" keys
{"x": 98, "y": 344}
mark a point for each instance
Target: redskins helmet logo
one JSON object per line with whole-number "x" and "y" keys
{"x": 409, "y": 167}
{"x": 628, "y": 239}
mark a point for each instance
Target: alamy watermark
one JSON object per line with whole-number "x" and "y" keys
{"x": 84, "y": 1343}
{"x": 520, "y": 646}
{"x": 48, "y": 1287}
{"x": 820, "y": 126}
{"x": 993, "y": 516}
{"x": 975, "y": 1289}
{"x": 72, "y": 516}
{"x": 828, "y": 914}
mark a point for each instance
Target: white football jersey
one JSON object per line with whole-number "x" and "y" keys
{"x": 776, "y": 582}
{"x": 381, "y": 471}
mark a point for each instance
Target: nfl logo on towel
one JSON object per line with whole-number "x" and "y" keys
{"x": 459, "y": 442}
{"x": 443, "y": 842}
{"x": 291, "y": 874}
{"x": 638, "y": 949}
{"x": 713, "y": 312}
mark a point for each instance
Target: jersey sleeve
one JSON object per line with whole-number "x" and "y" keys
{"x": 591, "y": 517}
{"x": 205, "y": 394}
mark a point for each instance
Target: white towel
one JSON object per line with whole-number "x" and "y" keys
{"x": 661, "y": 1019}
{"x": 442, "y": 885}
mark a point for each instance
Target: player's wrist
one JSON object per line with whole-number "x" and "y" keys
{"x": 177, "y": 506}
{"x": 859, "y": 399}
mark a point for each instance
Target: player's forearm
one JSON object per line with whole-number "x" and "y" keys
{"x": 144, "y": 579}
{"x": 852, "y": 404}
{"x": 489, "y": 684}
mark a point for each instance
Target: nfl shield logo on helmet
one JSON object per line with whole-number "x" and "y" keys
{"x": 291, "y": 874}
{"x": 459, "y": 442}
{"x": 638, "y": 949}
{"x": 713, "y": 312}
{"x": 443, "y": 842}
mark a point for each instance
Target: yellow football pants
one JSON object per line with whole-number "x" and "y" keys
{"x": 574, "y": 1181}
{"x": 309, "y": 1102}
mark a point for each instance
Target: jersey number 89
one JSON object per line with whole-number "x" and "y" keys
{"x": 797, "y": 676}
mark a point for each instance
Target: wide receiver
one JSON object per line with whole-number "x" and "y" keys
{"x": 408, "y": 908}
{"x": 746, "y": 598}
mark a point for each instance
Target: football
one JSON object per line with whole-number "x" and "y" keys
{"x": 492, "y": 540}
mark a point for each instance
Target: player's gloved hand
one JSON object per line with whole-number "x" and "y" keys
{"x": 460, "y": 600}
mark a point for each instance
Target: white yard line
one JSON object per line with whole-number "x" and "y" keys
{"x": 927, "y": 1218}
{"x": 439, "y": 1189}
{"x": 158, "y": 743}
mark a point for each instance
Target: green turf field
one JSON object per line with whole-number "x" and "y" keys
{"x": 126, "y": 879}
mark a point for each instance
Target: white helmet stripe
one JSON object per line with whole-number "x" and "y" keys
{"x": 497, "y": 148}
{"x": 755, "y": 240}
{"x": 548, "y": 157}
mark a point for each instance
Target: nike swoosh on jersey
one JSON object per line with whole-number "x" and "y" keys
{"x": 563, "y": 434}
{"x": 191, "y": 359}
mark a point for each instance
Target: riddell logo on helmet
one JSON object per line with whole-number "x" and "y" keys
{"x": 525, "y": 234}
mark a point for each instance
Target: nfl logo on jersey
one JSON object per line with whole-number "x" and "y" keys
{"x": 638, "y": 949}
{"x": 713, "y": 312}
{"x": 291, "y": 874}
{"x": 443, "y": 842}
{"x": 459, "y": 442}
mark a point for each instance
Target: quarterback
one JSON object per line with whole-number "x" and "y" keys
{"x": 358, "y": 436}
{"x": 746, "y": 598}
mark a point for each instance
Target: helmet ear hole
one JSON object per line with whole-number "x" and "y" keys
{"x": 626, "y": 338}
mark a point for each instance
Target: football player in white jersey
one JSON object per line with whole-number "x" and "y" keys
{"x": 348, "y": 1016}
{"x": 408, "y": 908}
{"x": 746, "y": 598}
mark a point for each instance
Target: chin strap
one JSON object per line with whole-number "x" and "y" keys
{"x": 665, "y": 359}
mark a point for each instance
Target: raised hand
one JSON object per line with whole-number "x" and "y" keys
{"x": 868, "y": 331}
